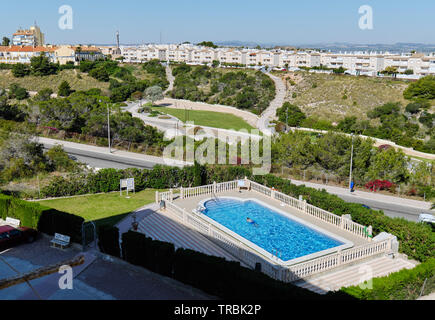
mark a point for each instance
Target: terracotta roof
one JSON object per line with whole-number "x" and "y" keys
{"x": 24, "y": 33}
{"x": 86, "y": 49}
{"x": 27, "y": 49}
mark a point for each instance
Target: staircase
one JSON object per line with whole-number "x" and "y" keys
{"x": 161, "y": 227}
{"x": 354, "y": 275}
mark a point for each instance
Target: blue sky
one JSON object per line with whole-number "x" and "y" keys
{"x": 274, "y": 21}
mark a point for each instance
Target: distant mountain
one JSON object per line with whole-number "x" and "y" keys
{"x": 400, "y": 47}
{"x": 338, "y": 46}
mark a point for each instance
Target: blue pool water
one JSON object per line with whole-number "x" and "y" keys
{"x": 272, "y": 231}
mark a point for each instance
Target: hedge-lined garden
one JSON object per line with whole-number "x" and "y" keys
{"x": 215, "y": 276}
{"x": 416, "y": 240}
{"x": 43, "y": 219}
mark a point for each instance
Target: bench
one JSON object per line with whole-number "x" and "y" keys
{"x": 241, "y": 185}
{"x": 60, "y": 241}
{"x": 13, "y": 222}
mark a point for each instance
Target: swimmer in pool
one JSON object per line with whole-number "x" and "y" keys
{"x": 249, "y": 220}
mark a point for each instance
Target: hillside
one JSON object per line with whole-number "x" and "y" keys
{"x": 333, "y": 97}
{"x": 241, "y": 88}
{"x": 33, "y": 83}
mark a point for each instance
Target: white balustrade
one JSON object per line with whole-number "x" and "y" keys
{"x": 250, "y": 256}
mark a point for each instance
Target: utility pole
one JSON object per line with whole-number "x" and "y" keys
{"x": 351, "y": 167}
{"x": 286, "y": 120}
{"x": 108, "y": 127}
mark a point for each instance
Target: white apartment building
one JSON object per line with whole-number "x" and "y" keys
{"x": 57, "y": 54}
{"x": 355, "y": 63}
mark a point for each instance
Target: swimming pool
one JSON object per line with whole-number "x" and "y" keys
{"x": 281, "y": 235}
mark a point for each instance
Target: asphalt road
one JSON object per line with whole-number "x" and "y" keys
{"x": 97, "y": 161}
{"x": 391, "y": 210}
{"x": 105, "y": 164}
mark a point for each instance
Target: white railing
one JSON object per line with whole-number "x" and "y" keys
{"x": 301, "y": 205}
{"x": 234, "y": 246}
{"x": 165, "y": 196}
{"x": 260, "y": 188}
{"x": 335, "y": 260}
{"x": 196, "y": 191}
{"x": 323, "y": 215}
{"x": 250, "y": 256}
{"x": 208, "y": 189}
{"x": 328, "y": 217}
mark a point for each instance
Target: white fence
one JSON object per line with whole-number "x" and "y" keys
{"x": 301, "y": 205}
{"x": 328, "y": 217}
{"x": 335, "y": 260}
{"x": 251, "y": 256}
{"x": 234, "y": 246}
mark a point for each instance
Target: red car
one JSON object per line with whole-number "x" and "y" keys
{"x": 10, "y": 236}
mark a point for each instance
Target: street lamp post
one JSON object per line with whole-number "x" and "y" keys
{"x": 108, "y": 127}
{"x": 351, "y": 167}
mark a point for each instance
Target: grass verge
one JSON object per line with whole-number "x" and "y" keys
{"x": 109, "y": 208}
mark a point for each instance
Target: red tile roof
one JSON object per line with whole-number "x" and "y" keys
{"x": 27, "y": 49}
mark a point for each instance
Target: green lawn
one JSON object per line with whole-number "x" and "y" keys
{"x": 207, "y": 118}
{"x": 109, "y": 208}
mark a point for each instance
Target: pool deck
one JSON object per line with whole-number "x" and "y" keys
{"x": 192, "y": 203}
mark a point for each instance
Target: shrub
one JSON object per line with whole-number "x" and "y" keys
{"x": 20, "y": 70}
{"x": 41, "y": 218}
{"x": 154, "y": 255}
{"x": 403, "y": 285}
{"x": 378, "y": 185}
{"x": 416, "y": 240}
{"x": 64, "y": 89}
{"x": 108, "y": 240}
{"x": 214, "y": 275}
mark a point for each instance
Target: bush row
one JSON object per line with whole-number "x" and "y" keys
{"x": 41, "y": 218}
{"x": 416, "y": 240}
{"x": 215, "y": 276}
{"x": 108, "y": 240}
{"x": 403, "y": 285}
{"x": 160, "y": 177}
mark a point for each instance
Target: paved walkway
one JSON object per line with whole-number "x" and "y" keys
{"x": 270, "y": 112}
{"x": 100, "y": 278}
{"x": 428, "y": 297}
{"x": 353, "y": 275}
{"x": 170, "y": 78}
{"x": 367, "y": 195}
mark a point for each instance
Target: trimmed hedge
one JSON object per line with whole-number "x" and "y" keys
{"x": 160, "y": 177}
{"x": 416, "y": 240}
{"x": 41, "y": 218}
{"x": 108, "y": 240}
{"x": 215, "y": 276}
{"x": 154, "y": 255}
{"x": 403, "y": 285}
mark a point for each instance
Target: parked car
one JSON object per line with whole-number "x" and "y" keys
{"x": 427, "y": 218}
{"x": 10, "y": 236}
